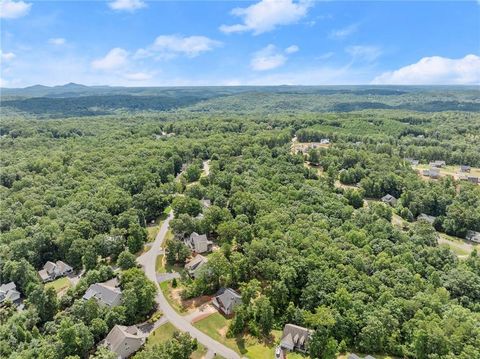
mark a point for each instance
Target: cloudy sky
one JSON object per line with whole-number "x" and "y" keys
{"x": 161, "y": 43}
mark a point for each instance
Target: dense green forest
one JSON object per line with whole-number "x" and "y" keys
{"x": 299, "y": 247}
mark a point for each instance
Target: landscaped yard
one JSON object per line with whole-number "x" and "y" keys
{"x": 216, "y": 326}
{"x": 59, "y": 284}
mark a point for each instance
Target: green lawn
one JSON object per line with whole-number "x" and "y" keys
{"x": 59, "y": 284}
{"x": 216, "y": 327}
{"x": 164, "y": 333}
{"x": 161, "y": 334}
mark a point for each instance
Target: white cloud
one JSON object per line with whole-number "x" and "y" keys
{"x": 114, "y": 59}
{"x": 58, "y": 41}
{"x": 7, "y": 56}
{"x": 292, "y": 49}
{"x": 127, "y": 5}
{"x": 343, "y": 33}
{"x": 325, "y": 56}
{"x": 138, "y": 76}
{"x": 266, "y": 15}
{"x": 268, "y": 58}
{"x": 435, "y": 70}
{"x": 364, "y": 53}
{"x": 167, "y": 46}
{"x": 13, "y": 9}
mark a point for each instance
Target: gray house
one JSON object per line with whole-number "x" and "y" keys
{"x": 199, "y": 243}
{"x": 389, "y": 199}
{"x": 473, "y": 236}
{"x": 9, "y": 292}
{"x": 195, "y": 264}
{"x": 226, "y": 300}
{"x": 124, "y": 341}
{"x": 437, "y": 164}
{"x": 464, "y": 168}
{"x": 473, "y": 179}
{"x": 52, "y": 271}
{"x": 432, "y": 172}
{"x": 426, "y": 218}
{"x": 104, "y": 294}
{"x": 295, "y": 338}
{"x": 412, "y": 161}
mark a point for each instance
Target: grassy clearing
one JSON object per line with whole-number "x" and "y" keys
{"x": 59, "y": 284}
{"x": 159, "y": 268}
{"x": 161, "y": 334}
{"x": 459, "y": 246}
{"x": 164, "y": 333}
{"x": 166, "y": 289}
{"x": 216, "y": 326}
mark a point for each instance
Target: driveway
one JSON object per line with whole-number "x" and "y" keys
{"x": 163, "y": 277}
{"x": 147, "y": 261}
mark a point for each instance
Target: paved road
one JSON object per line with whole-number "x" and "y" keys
{"x": 148, "y": 260}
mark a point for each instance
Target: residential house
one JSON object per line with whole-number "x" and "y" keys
{"x": 195, "y": 264}
{"x": 295, "y": 338}
{"x": 226, "y": 300}
{"x": 106, "y": 294}
{"x": 426, "y": 218}
{"x": 438, "y": 164}
{"x": 52, "y": 271}
{"x": 464, "y": 168}
{"x": 9, "y": 292}
{"x": 124, "y": 341}
{"x": 206, "y": 203}
{"x": 353, "y": 356}
{"x": 389, "y": 199}
{"x": 432, "y": 172}
{"x": 325, "y": 141}
{"x": 412, "y": 161}
{"x": 199, "y": 243}
{"x": 473, "y": 236}
{"x": 473, "y": 179}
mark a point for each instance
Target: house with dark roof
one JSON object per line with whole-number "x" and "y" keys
{"x": 124, "y": 341}
{"x": 106, "y": 295}
{"x": 52, "y": 271}
{"x": 389, "y": 199}
{"x": 193, "y": 266}
{"x": 473, "y": 179}
{"x": 426, "y": 218}
{"x": 412, "y": 161}
{"x": 226, "y": 300}
{"x": 295, "y": 338}
{"x": 9, "y": 292}
{"x": 438, "y": 164}
{"x": 473, "y": 236}
{"x": 432, "y": 172}
{"x": 199, "y": 243}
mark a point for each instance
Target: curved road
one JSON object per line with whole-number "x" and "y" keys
{"x": 148, "y": 261}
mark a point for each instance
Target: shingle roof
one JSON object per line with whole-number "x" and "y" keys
{"x": 101, "y": 292}
{"x": 9, "y": 291}
{"x": 294, "y": 336}
{"x": 124, "y": 340}
{"x": 226, "y": 299}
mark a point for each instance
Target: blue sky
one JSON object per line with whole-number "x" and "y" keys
{"x": 162, "y": 43}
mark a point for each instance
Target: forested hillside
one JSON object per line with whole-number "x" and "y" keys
{"x": 304, "y": 237}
